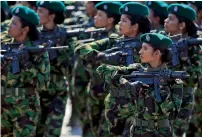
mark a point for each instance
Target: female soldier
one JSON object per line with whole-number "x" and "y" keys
{"x": 20, "y": 102}
{"x": 107, "y": 17}
{"x": 150, "y": 116}
{"x": 158, "y": 13}
{"x": 133, "y": 23}
{"x": 53, "y": 102}
{"x": 179, "y": 25}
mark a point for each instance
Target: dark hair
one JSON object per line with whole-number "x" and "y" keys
{"x": 191, "y": 28}
{"x": 166, "y": 56}
{"x": 115, "y": 16}
{"x": 33, "y": 33}
{"x": 143, "y": 22}
{"x": 162, "y": 17}
{"x": 59, "y": 16}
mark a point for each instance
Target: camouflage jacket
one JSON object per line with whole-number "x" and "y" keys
{"x": 37, "y": 76}
{"x": 60, "y": 67}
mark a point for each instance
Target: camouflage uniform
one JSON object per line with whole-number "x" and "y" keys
{"x": 93, "y": 106}
{"x": 195, "y": 70}
{"x": 180, "y": 123}
{"x": 121, "y": 105}
{"x": 53, "y": 101}
{"x": 20, "y": 102}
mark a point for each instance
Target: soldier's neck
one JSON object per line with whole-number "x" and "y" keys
{"x": 21, "y": 39}
{"x": 109, "y": 28}
{"x": 133, "y": 35}
{"x": 180, "y": 32}
{"x": 156, "y": 27}
{"x": 49, "y": 26}
{"x": 155, "y": 63}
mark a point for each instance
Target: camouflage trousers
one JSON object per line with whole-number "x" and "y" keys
{"x": 78, "y": 92}
{"x": 181, "y": 123}
{"x": 195, "y": 126}
{"x": 19, "y": 115}
{"x": 52, "y": 114}
{"x": 95, "y": 124}
{"x": 118, "y": 113}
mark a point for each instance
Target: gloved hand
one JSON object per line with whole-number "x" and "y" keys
{"x": 115, "y": 58}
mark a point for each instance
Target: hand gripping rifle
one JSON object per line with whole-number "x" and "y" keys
{"x": 128, "y": 46}
{"x": 155, "y": 78}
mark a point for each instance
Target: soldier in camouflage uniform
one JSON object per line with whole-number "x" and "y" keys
{"x": 20, "y": 105}
{"x": 107, "y": 17}
{"x": 150, "y": 117}
{"x": 179, "y": 25}
{"x": 158, "y": 13}
{"x": 130, "y": 18}
{"x": 53, "y": 101}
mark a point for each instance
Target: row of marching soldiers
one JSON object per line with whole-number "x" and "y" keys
{"x": 130, "y": 68}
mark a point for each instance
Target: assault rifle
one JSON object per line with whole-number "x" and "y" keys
{"x": 128, "y": 46}
{"x": 155, "y": 78}
{"x": 182, "y": 47}
{"x": 22, "y": 55}
{"x": 58, "y": 37}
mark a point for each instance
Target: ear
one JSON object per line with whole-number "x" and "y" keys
{"x": 182, "y": 25}
{"x": 51, "y": 16}
{"x": 135, "y": 27}
{"x": 25, "y": 30}
{"x": 157, "y": 53}
{"x": 157, "y": 20}
{"x": 110, "y": 20}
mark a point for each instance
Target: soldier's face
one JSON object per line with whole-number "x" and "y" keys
{"x": 43, "y": 14}
{"x": 101, "y": 19}
{"x": 125, "y": 26}
{"x": 154, "y": 20}
{"x": 90, "y": 7}
{"x": 147, "y": 53}
{"x": 15, "y": 28}
{"x": 172, "y": 24}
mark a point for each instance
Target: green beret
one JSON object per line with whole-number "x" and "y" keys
{"x": 198, "y": 4}
{"x": 56, "y": 6}
{"x": 4, "y": 5}
{"x": 182, "y": 10}
{"x": 134, "y": 8}
{"x": 27, "y": 14}
{"x": 109, "y": 7}
{"x": 159, "y": 6}
{"x": 156, "y": 40}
